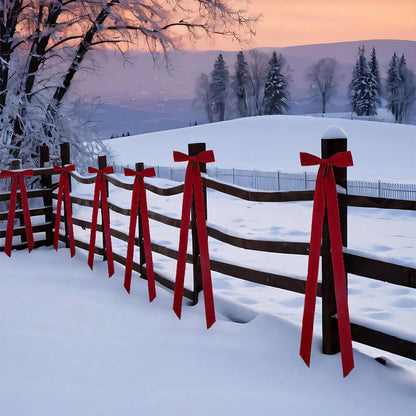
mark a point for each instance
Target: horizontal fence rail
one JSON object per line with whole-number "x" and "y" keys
{"x": 286, "y": 181}
{"x": 354, "y": 263}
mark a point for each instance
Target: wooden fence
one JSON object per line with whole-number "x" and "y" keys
{"x": 289, "y": 181}
{"x": 355, "y": 264}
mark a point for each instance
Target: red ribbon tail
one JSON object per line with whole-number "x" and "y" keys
{"x": 313, "y": 268}
{"x": 26, "y": 215}
{"x": 183, "y": 242}
{"x": 204, "y": 251}
{"x": 132, "y": 234}
{"x": 10, "y": 220}
{"x": 147, "y": 242}
{"x": 340, "y": 286}
{"x": 58, "y": 212}
{"x": 94, "y": 224}
{"x": 106, "y": 226}
{"x": 69, "y": 217}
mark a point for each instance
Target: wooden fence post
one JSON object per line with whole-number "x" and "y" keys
{"x": 139, "y": 167}
{"x": 46, "y": 183}
{"x": 66, "y": 160}
{"x": 102, "y": 163}
{"x": 330, "y": 337}
{"x": 193, "y": 150}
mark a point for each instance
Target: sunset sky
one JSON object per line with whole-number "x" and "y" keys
{"x": 299, "y": 22}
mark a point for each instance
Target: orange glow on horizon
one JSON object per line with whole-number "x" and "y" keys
{"x": 300, "y": 22}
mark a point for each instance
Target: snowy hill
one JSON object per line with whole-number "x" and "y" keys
{"x": 73, "y": 342}
{"x": 138, "y": 92}
{"x": 380, "y": 150}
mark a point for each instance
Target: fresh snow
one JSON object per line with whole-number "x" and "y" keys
{"x": 74, "y": 342}
{"x": 382, "y": 151}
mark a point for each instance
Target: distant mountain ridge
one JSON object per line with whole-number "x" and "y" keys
{"x": 146, "y": 89}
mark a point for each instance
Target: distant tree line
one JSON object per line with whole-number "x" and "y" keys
{"x": 260, "y": 84}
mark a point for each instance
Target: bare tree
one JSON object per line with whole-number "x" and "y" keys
{"x": 323, "y": 76}
{"x": 43, "y": 45}
{"x": 203, "y": 99}
{"x": 258, "y": 64}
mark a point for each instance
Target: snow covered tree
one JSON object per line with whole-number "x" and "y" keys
{"x": 276, "y": 93}
{"x": 406, "y": 92}
{"x": 363, "y": 88}
{"x": 376, "y": 73}
{"x": 242, "y": 85}
{"x": 44, "y": 45}
{"x": 203, "y": 99}
{"x": 322, "y": 77}
{"x": 219, "y": 87}
{"x": 393, "y": 85}
{"x": 258, "y": 64}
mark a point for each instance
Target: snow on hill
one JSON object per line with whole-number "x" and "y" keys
{"x": 141, "y": 97}
{"x": 73, "y": 342}
{"x": 380, "y": 150}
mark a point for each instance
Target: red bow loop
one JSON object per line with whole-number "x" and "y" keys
{"x": 67, "y": 168}
{"x": 12, "y": 174}
{"x": 207, "y": 156}
{"x": 340, "y": 159}
{"x": 148, "y": 172}
{"x": 105, "y": 171}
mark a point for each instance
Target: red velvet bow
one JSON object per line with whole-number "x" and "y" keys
{"x": 18, "y": 180}
{"x": 139, "y": 193}
{"x": 100, "y": 188}
{"x": 64, "y": 190}
{"x": 193, "y": 185}
{"x": 326, "y": 191}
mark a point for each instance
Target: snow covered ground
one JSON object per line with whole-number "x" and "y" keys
{"x": 383, "y": 151}
{"x": 74, "y": 342}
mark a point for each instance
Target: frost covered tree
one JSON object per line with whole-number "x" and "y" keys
{"x": 322, "y": 78}
{"x": 258, "y": 65}
{"x": 44, "y": 45}
{"x": 402, "y": 85}
{"x": 393, "y": 85}
{"x": 242, "y": 85}
{"x": 363, "y": 88}
{"x": 276, "y": 90}
{"x": 203, "y": 99}
{"x": 219, "y": 87}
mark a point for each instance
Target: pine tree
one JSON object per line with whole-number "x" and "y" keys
{"x": 242, "y": 85}
{"x": 219, "y": 86}
{"x": 393, "y": 85}
{"x": 363, "y": 88}
{"x": 376, "y": 73}
{"x": 276, "y": 94}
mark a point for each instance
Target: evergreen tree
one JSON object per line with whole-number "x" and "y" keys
{"x": 363, "y": 87}
{"x": 276, "y": 94}
{"x": 219, "y": 86}
{"x": 393, "y": 85}
{"x": 376, "y": 73}
{"x": 242, "y": 85}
